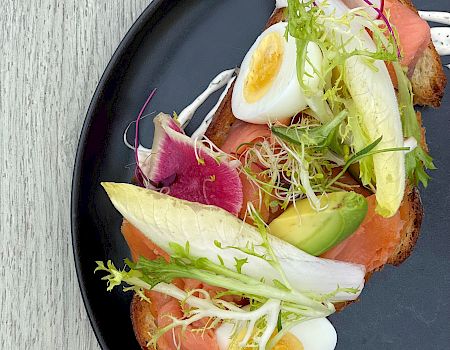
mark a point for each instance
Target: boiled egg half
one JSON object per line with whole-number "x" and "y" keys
{"x": 317, "y": 334}
{"x": 267, "y": 88}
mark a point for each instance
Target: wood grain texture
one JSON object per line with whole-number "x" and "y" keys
{"x": 52, "y": 55}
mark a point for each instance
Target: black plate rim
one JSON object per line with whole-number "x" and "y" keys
{"x": 138, "y": 25}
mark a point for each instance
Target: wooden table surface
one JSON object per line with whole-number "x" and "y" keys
{"x": 52, "y": 55}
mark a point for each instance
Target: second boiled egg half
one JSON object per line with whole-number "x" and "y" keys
{"x": 267, "y": 88}
{"x": 316, "y": 334}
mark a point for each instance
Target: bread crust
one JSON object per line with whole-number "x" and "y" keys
{"x": 142, "y": 320}
{"x": 428, "y": 80}
{"x": 411, "y": 229}
{"x": 222, "y": 121}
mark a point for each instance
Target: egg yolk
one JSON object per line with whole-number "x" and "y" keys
{"x": 287, "y": 342}
{"x": 264, "y": 67}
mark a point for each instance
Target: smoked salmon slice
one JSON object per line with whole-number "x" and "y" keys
{"x": 189, "y": 339}
{"x": 413, "y": 35}
{"x": 140, "y": 245}
{"x": 373, "y": 242}
{"x": 239, "y": 139}
{"x": 413, "y": 32}
{"x": 371, "y": 245}
{"x": 242, "y": 134}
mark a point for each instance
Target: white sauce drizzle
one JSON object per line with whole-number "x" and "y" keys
{"x": 217, "y": 83}
{"x": 439, "y": 35}
{"x": 435, "y": 16}
{"x": 209, "y": 117}
{"x": 281, "y": 4}
{"x": 441, "y": 40}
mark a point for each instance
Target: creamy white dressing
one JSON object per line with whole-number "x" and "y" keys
{"x": 217, "y": 83}
{"x": 209, "y": 117}
{"x": 225, "y": 78}
{"x": 441, "y": 40}
{"x": 439, "y": 35}
{"x": 436, "y": 16}
{"x": 281, "y": 4}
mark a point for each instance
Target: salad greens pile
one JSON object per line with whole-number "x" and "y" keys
{"x": 351, "y": 119}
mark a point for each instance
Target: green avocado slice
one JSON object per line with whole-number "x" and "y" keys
{"x": 315, "y": 232}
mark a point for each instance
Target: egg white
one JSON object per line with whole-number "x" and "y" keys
{"x": 317, "y": 334}
{"x": 285, "y": 97}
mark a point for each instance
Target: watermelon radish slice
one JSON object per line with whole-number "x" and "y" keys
{"x": 186, "y": 169}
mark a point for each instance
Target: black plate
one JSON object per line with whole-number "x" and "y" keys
{"x": 178, "y": 46}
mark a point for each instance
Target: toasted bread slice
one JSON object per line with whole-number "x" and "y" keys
{"x": 411, "y": 230}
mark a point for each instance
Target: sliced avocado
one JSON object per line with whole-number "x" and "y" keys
{"x": 315, "y": 232}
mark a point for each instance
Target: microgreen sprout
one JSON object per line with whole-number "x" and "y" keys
{"x": 298, "y": 162}
{"x": 293, "y": 164}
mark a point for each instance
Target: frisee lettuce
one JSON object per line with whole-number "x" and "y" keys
{"x": 308, "y": 22}
{"x": 272, "y": 306}
{"x": 355, "y": 79}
